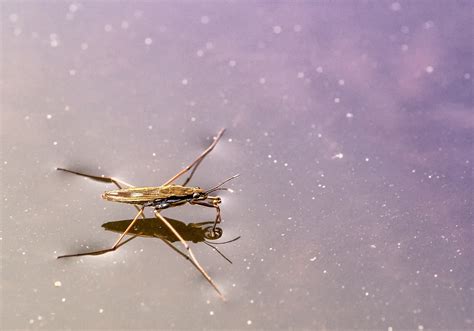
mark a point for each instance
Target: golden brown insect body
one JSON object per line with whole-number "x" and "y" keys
{"x": 161, "y": 197}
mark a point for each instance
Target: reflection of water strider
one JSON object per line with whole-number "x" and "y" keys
{"x": 149, "y": 227}
{"x": 166, "y": 196}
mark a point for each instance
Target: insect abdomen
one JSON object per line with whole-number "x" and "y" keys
{"x": 144, "y": 195}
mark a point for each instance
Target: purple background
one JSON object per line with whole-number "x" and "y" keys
{"x": 350, "y": 122}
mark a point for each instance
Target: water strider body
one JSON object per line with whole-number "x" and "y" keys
{"x": 160, "y": 197}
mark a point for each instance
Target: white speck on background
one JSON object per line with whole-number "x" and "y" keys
{"x": 300, "y": 74}
{"x": 49, "y": 116}
{"x": 429, "y": 69}
{"x": 232, "y": 63}
{"x": 63, "y": 300}
{"x": 211, "y": 313}
{"x": 319, "y": 69}
{"x": 428, "y": 25}
{"x": 249, "y": 322}
{"x": 262, "y": 80}
{"x": 205, "y": 19}
{"x": 337, "y": 100}
{"x": 277, "y": 29}
{"x": 54, "y": 43}
{"x": 148, "y": 41}
{"x": 184, "y": 81}
{"x": 349, "y": 115}
{"x": 341, "y": 82}
{"x": 101, "y": 311}
{"x": 108, "y": 28}
{"x": 57, "y": 283}
{"x": 200, "y": 52}
{"x": 13, "y": 18}
{"x": 338, "y": 156}
{"x": 313, "y": 259}
{"x": 138, "y": 13}
{"x": 395, "y": 6}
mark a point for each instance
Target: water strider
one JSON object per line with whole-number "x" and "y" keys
{"x": 162, "y": 197}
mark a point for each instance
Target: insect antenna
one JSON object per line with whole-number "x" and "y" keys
{"x": 218, "y": 251}
{"x": 218, "y": 187}
{"x": 228, "y": 241}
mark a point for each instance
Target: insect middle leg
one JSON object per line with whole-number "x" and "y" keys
{"x": 190, "y": 256}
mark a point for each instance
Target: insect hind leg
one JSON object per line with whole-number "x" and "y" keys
{"x": 193, "y": 166}
{"x": 117, "y": 244}
{"x": 119, "y": 183}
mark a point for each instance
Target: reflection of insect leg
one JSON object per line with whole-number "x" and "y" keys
{"x": 117, "y": 243}
{"x": 207, "y": 204}
{"x": 190, "y": 256}
{"x": 119, "y": 184}
{"x": 196, "y": 162}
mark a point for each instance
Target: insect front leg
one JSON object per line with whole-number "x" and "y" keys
{"x": 214, "y": 205}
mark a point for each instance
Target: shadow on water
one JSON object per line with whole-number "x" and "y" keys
{"x": 153, "y": 228}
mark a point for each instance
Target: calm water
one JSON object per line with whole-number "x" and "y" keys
{"x": 350, "y": 123}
